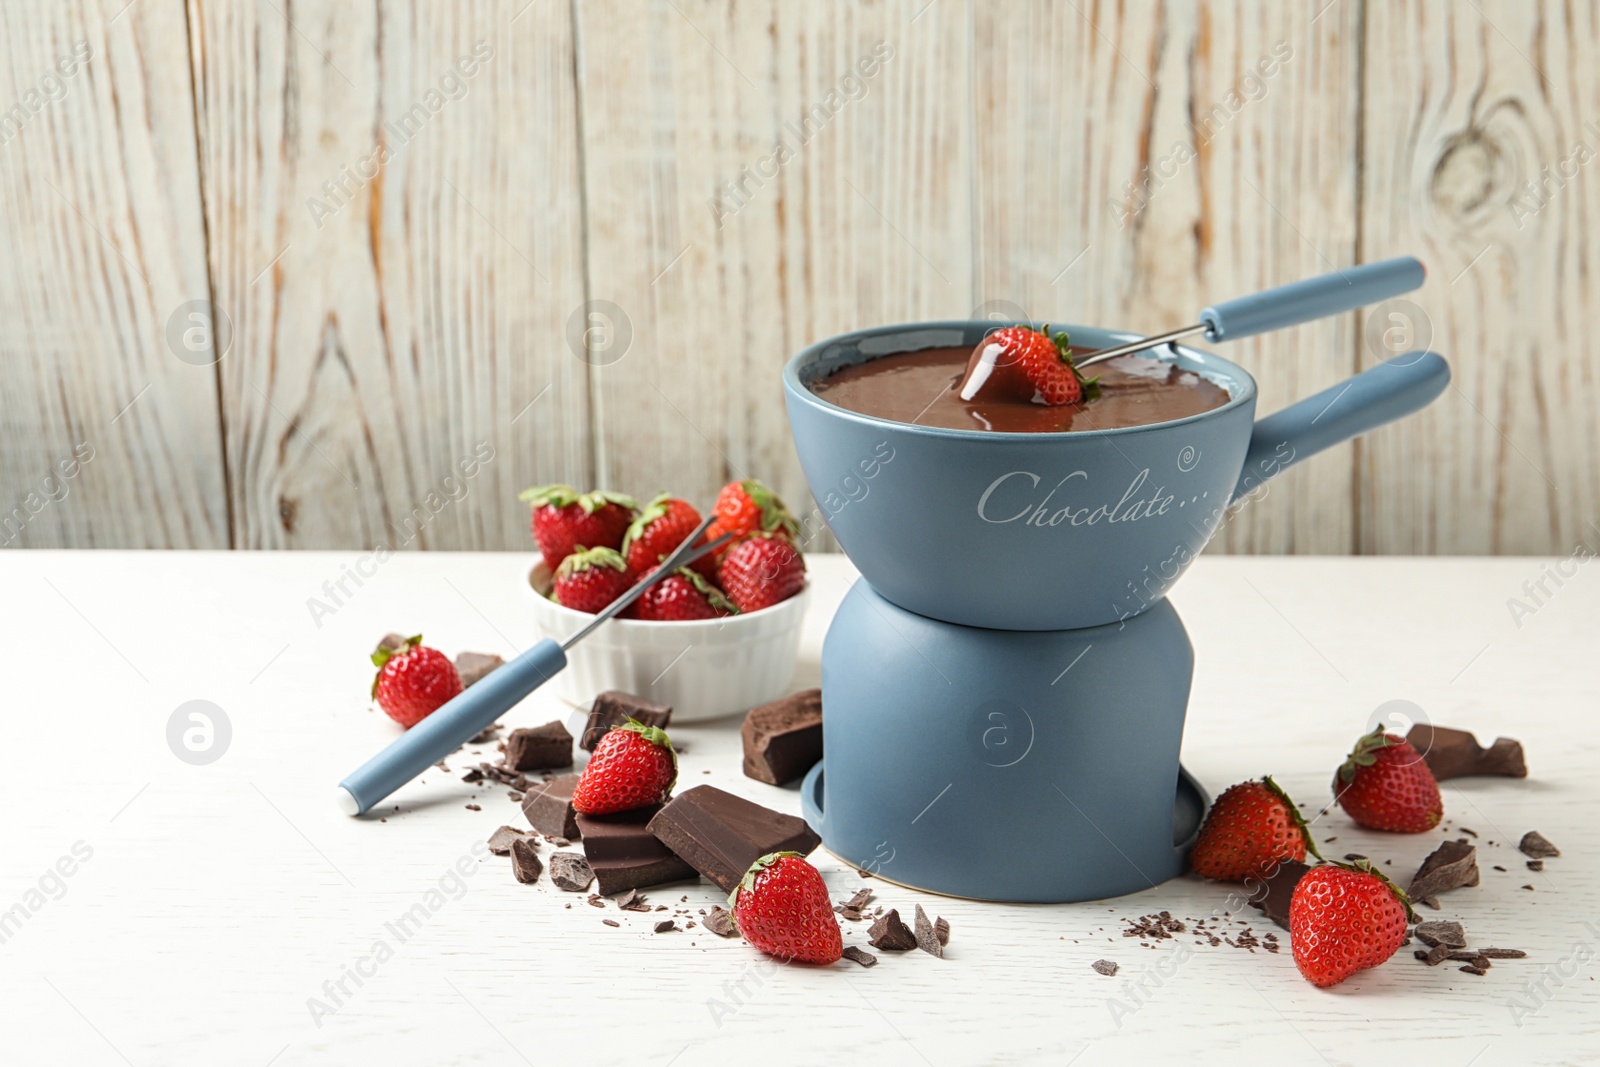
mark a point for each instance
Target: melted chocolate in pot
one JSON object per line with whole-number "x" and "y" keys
{"x": 920, "y": 387}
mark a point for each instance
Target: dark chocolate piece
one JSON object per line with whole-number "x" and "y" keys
{"x": 666, "y": 926}
{"x": 1105, "y": 967}
{"x": 549, "y": 807}
{"x": 1480, "y": 968}
{"x": 1537, "y": 846}
{"x": 1441, "y": 932}
{"x": 624, "y": 854}
{"x": 860, "y": 955}
{"x": 611, "y": 922}
{"x": 1273, "y": 894}
{"x": 1502, "y": 953}
{"x": 720, "y": 922}
{"x": 927, "y": 940}
{"x": 941, "y": 930}
{"x": 501, "y": 840}
{"x": 890, "y": 934}
{"x": 570, "y": 871}
{"x": 783, "y": 739}
{"x": 541, "y": 748}
{"x": 472, "y": 666}
{"x": 1452, "y": 753}
{"x": 525, "y": 863}
{"x": 1450, "y": 866}
{"x": 1536, "y": 865}
{"x": 1434, "y": 956}
{"x": 614, "y": 707}
{"x": 721, "y": 835}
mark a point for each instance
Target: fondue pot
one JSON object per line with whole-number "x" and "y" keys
{"x": 1004, "y": 689}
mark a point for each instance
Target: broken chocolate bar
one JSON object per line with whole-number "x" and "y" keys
{"x": 1537, "y": 846}
{"x": 570, "y": 871}
{"x": 541, "y": 748}
{"x": 1273, "y": 894}
{"x": 1452, "y": 753}
{"x": 890, "y": 934}
{"x": 1105, "y": 967}
{"x": 472, "y": 666}
{"x": 859, "y": 955}
{"x": 1450, "y": 866}
{"x": 625, "y": 855}
{"x": 614, "y": 707}
{"x": 1441, "y": 932}
{"x": 721, "y": 835}
{"x": 525, "y": 863}
{"x": 501, "y": 840}
{"x": 720, "y": 922}
{"x": 783, "y": 739}
{"x": 548, "y": 807}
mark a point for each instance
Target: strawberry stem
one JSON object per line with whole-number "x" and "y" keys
{"x": 1299, "y": 820}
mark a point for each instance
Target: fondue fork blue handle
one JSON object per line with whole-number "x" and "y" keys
{"x": 472, "y": 710}
{"x": 1288, "y": 305}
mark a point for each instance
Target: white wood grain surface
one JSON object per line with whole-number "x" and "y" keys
{"x": 217, "y": 899}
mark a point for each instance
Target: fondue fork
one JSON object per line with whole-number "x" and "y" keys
{"x": 1287, "y": 305}
{"x": 471, "y": 711}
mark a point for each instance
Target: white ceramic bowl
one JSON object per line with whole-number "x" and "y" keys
{"x": 704, "y": 669}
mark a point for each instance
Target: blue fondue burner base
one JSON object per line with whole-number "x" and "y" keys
{"x": 1036, "y": 766}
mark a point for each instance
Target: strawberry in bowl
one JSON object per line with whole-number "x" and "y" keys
{"x": 717, "y": 637}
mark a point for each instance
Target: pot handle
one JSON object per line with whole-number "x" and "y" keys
{"x": 1391, "y": 390}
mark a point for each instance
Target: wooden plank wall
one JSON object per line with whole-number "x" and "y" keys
{"x": 460, "y": 248}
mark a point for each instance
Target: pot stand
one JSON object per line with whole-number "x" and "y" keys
{"x": 1001, "y": 765}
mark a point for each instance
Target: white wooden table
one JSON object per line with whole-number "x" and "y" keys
{"x": 217, "y": 900}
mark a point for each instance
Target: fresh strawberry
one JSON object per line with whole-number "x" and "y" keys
{"x": 413, "y": 681}
{"x": 659, "y": 529}
{"x": 563, "y": 519}
{"x": 1030, "y": 364}
{"x": 750, "y": 507}
{"x": 781, "y": 907}
{"x": 632, "y": 766}
{"x": 1385, "y": 785}
{"x": 1251, "y": 828}
{"x": 760, "y": 571}
{"x": 680, "y": 597}
{"x": 590, "y": 579}
{"x": 1344, "y": 919}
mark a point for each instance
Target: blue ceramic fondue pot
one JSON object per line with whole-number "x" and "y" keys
{"x": 1057, "y": 531}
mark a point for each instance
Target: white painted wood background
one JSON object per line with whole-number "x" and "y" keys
{"x": 418, "y": 318}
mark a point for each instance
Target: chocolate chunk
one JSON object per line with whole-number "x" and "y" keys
{"x": 472, "y": 666}
{"x": 614, "y": 707}
{"x": 721, "y": 835}
{"x": 472, "y": 807}
{"x": 1441, "y": 932}
{"x": 890, "y": 934}
{"x": 501, "y": 840}
{"x": 859, "y": 900}
{"x": 1452, "y": 753}
{"x": 1272, "y": 894}
{"x": 784, "y": 738}
{"x": 1452, "y": 865}
{"x": 927, "y": 938}
{"x": 941, "y": 930}
{"x": 538, "y": 749}
{"x": 860, "y": 955}
{"x": 1502, "y": 953}
{"x": 611, "y": 922}
{"x": 720, "y": 922}
{"x": 625, "y": 854}
{"x": 1434, "y": 956}
{"x": 1478, "y": 969}
{"x": 392, "y": 642}
{"x": 525, "y": 863}
{"x": 1537, "y": 846}
{"x": 570, "y": 871}
{"x": 549, "y": 807}
{"x": 1105, "y": 967}
{"x": 666, "y": 927}
{"x": 1536, "y": 865}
